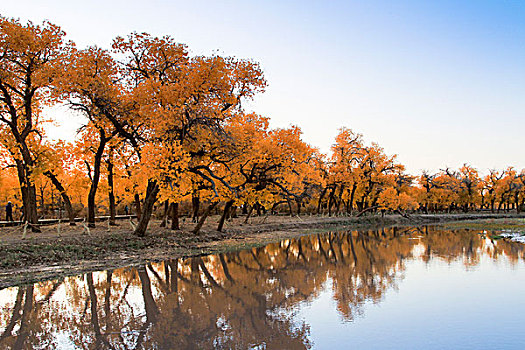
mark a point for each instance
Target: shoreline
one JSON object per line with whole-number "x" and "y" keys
{"x": 52, "y": 255}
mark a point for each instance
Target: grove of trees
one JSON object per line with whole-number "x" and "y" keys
{"x": 166, "y": 134}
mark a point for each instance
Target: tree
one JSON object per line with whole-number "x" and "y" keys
{"x": 90, "y": 85}
{"x": 30, "y": 59}
{"x": 345, "y": 168}
{"x": 53, "y": 165}
{"x": 184, "y": 101}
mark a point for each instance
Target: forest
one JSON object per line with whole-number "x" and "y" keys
{"x": 166, "y": 135}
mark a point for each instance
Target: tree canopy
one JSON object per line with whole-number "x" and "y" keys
{"x": 165, "y": 126}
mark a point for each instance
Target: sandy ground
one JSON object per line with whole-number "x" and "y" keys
{"x": 69, "y": 250}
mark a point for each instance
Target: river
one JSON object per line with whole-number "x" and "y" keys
{"x": 396, "y": 288}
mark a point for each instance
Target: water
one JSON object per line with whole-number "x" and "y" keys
{"x": 391, "y": 289}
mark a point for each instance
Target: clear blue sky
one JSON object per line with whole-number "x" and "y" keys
{"x": 439, "y": 83}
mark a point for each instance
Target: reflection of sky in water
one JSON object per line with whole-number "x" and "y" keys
{"x": 389, "y": 289}
{"x": 437, "y": 305}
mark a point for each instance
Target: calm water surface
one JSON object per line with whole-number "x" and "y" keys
{"x": 398, "y": 288}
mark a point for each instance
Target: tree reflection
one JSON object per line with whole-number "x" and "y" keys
{"x": 236, "y": 300}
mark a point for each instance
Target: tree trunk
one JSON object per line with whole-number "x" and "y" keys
{"x": 331, "y": 200}
{"x": 28, "y": 190}
{"x": 195, "y": 202}
{"x": 27, "y": 187}
{"x": 321, "y": 200}
{"x": 95, "y": 179}
{"x": 249, "y": 214}
{"x": 366, "y": 210}
{"x": 227, "y": 208}
{"x": 111, "y": 194}
{"x": 42, "y": 197}
{"x": 233, "y": 213}
{"x": 166, "y": 213}
{"x": 290, "y": 209}
{"x": 501, "y": 203}
{"x": 338, "y": 205}
{"x": 65, "y": 197}
{"x": 31, "y": 214}
{"x": 137, "y": 206}
{"x": 347, "y": 206}
{"x": 203, "y": 217}
{"x": 352, "y": 195}
{"x": 53, "y": 200}
{"x": 149, "y": 202}
{"x": 175, "y": 216}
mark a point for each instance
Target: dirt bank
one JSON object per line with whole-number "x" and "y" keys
{"x": 70, "y": 250}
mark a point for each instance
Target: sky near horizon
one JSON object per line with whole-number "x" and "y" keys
{"x": 439, "y": 83}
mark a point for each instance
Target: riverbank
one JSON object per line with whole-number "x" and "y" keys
{"x": 70, "y": 250}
